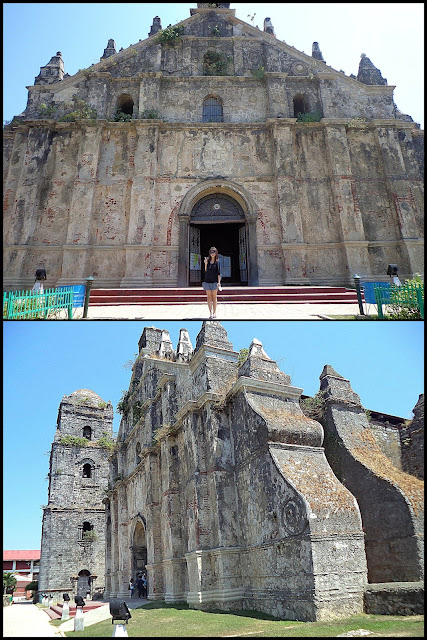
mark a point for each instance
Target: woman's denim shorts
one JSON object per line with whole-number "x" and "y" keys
{"x": 210, "y": 286}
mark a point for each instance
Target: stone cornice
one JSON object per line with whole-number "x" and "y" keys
{"x": 263, "y": 386}
{"x": 195, "y": 405}
{"x": 207, "y": 351}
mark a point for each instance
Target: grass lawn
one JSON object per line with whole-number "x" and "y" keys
{"x": 176, "y": 620}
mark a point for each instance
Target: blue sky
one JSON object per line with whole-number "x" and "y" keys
{"x": 390, "y": 34}
{"x": 43, "y": 361}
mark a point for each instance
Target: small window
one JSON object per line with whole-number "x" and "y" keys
{"x": 87, "y": 433}
{"x": 125, "y": 104}
{"x": 87, "y": 470}
{"x": 138, "y": 453}
{"x": 212, "y": 110}
{"x": 300, "y": 105}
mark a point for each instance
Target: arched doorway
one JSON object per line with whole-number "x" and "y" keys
{"x": 139, "y": 550}
{"x": 217, "y": 220}
{"x": 218, "y": 213}
{"x": 83, "y": 583}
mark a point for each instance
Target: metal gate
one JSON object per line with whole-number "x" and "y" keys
{"x": 195, "y": 257}
{"x": 243, "y": 255}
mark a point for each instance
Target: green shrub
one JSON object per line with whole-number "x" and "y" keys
{"x": 149, "y": 114}
{"x": 74, "y": 441}
{"x": 258, "y": 73}
{"x": 314, "y": 116}
{"x": 215, "y": 63}
{"x": 106, "y": 442}
{"x": 122, "y": 117}
{"x": 171, "y": 35}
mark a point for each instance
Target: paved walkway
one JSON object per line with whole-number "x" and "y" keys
{"x": 25, "y": 620}
{"x": 229, "y": 311}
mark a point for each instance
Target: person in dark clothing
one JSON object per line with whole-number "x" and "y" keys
{"x": 40, "y": 277}
{"x": 212, "y": 281}
{"x": 140, "y": 586}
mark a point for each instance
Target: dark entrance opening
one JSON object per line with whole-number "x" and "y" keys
{"x": 225, "y": 237}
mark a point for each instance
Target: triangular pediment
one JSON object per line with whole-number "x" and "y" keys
{"x": 213, "y": 29}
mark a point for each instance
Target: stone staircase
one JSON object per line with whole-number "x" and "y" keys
{"x": 55, "y": 611}
{"x": 195, "y": 295}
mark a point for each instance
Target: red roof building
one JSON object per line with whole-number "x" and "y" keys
{"x": 24, "y": 564}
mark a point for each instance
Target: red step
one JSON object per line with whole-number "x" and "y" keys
{"x": 286, "y": 295}
{"x": 55, "y": 611}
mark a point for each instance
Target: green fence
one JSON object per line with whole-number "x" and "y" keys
{"x": 406, "y": 296}
{"x": 20, "y": 305}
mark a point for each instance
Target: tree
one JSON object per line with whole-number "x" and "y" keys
{"x": 9, "y": 581}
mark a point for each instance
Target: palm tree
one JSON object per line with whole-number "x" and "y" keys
{"x": 9, "y": 581}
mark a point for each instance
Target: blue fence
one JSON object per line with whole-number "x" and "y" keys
{"x": 368, "y": 290}
{"x": 79, "y": 293}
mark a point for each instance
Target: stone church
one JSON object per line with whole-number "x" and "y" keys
{"x": 73, "y": 530}
{"x": 233, "y": 495}
{"x": 211, "y": 132}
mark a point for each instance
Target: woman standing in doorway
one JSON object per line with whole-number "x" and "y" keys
{"x": 212, "y": 282}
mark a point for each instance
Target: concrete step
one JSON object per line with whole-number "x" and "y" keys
{"x": 261, "y": 295}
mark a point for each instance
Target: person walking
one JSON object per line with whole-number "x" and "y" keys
{"x": 140, "y": 586}
{"x": 212, "y": 281}
{"x": 144, "y": 580}
{"x": 131, "y": 587}
{"x": 40, "y": 277}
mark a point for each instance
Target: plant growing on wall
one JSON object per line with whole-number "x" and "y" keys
{"x": 89, "y": 536}
{"x": 149, "y": 114}
{"x": 215, "y": 63}
{"x": 314, "y": 116}
{"x": 123, "y": 404}
{"x": 106, "y": 442}
{"x": 258, "y": 73}
{"x": 171, "y": 35}
{"x": 315, "y": 406}
{"x": 81, "y": 110}
{"x": 215, "y": 31}
{"x": 74, "y": 441}
{"x": 122, "y": 117}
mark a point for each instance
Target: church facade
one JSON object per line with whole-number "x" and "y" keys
{"x": 211, "y": 132}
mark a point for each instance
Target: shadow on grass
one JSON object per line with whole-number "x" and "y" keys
{"x": 245, "y": 613}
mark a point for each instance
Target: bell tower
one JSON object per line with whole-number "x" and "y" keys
{"x": 73, "y": 530}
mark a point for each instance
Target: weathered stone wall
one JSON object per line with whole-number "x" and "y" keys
{"x": 328, "y": 199}
{"x": 412, "y": 442}
{"x": 104, "y": 200}
{"x": 75, "y": 496}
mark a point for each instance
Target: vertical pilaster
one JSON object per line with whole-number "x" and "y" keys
{"x": 81, "y": 207}
{"x": 346, "y": 203}
{"x": 403, "y": 202}
{"x": 138, "y": 271}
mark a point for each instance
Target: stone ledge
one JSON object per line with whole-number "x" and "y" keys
{"x": 394, "y": 598}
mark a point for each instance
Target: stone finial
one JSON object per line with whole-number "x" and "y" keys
{"x": 268, "y": 27}
{"x": 316, "y": 53}
{"x": 258, "y": 365}
{"x": 110, "y": 49}
{"x": 155, "y": 27}
{"x": 208, "y": 5}
{"x": 336, "y": 388}
{"x": 368, "y": 73}
{"x": 184, "y": 349}
{"x": 52, "y": 72}
{"x": 166, "y": 348}
{"x": 150, "y": 339}
{"x": 213, "y": 334}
